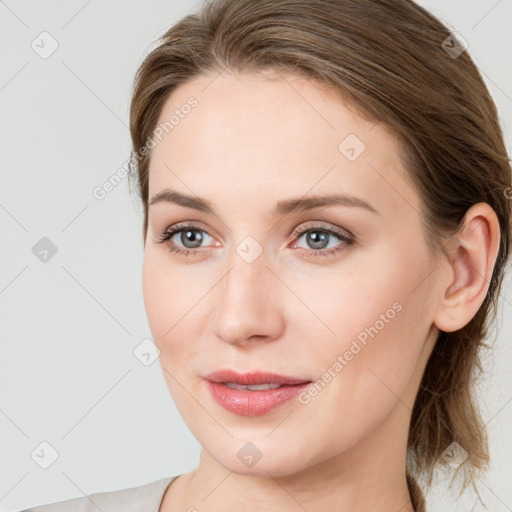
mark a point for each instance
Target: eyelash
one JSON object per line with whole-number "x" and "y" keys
{"x": 347, "y": 240}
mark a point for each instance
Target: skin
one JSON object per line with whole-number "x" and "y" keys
{"x": 255, "y": 139}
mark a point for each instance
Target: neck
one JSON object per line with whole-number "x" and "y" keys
{"x": 369, "y": 476}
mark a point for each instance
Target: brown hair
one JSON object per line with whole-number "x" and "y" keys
{"x": 388, "y": 59}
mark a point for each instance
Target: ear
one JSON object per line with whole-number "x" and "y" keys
{"x": 472, "y": 255}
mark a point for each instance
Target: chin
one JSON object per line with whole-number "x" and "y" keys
{"x": 257, "y": 455}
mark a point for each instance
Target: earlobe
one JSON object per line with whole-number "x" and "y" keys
{"x": 472, "y": 255}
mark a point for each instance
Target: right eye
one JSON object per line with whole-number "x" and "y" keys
{"x": 188, "y": 234}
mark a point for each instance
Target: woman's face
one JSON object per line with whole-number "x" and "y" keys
{"x": 262, "y": 286}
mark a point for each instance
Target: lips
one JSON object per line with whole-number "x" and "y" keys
{"x": 224, "y": 387}
{"x": 223, "y": 376}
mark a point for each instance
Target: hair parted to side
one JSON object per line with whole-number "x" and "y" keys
{"x": 385, "y": 59}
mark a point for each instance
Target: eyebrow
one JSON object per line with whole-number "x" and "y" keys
{"x": 283, "y": 207}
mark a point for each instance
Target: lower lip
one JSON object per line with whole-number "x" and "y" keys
{"x": 253, "y": 403}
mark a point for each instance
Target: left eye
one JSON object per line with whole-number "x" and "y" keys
{"x": 318, "y": 237}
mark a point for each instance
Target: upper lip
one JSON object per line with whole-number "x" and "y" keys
{"x": 255, "y": 377}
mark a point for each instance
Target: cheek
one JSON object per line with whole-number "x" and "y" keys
{"x": 340, "y": 303}
{"x": 369, "y": 316}
{"x": 166, "y": 300}
{"x": 176, "y": 301}
{"x": 380, "y": 325}
{"x": 169, "y": 311}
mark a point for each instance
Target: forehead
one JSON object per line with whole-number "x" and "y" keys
{"x": 273, "y": 135}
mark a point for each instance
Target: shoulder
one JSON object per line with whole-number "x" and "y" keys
{"x": 143, "y": 498}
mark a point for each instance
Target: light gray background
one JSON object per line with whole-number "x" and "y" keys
{"x": 68, "y": 374}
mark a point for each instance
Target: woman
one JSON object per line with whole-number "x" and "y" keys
{"x": 326, "y": 226}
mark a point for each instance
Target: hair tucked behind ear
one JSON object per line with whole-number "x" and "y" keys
{"x": 387, "y": 59}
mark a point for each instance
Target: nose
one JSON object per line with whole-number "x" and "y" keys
{"x": 248, "y": 307}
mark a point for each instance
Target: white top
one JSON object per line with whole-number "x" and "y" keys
{"x": 148, "y": 498}
{"x": 143, "y": 498}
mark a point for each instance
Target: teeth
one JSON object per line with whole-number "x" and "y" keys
{"x": 252, "y": 387}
